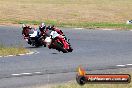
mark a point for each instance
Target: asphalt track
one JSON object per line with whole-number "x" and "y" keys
{"x": 93, "y": 49}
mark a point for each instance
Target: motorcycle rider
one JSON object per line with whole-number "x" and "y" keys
{"x": 59, "y": 31}
{"x": 34, "y": 33}
{"x": 42, "y": 28}
{"x": 48, "y": 31}
{"x": 54, "y": 34}
{"x": 25, "y": 32}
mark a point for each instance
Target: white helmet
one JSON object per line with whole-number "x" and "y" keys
{"x": 42, "y": 25}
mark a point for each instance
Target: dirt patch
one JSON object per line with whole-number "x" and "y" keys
{"x": 66, "y": 10}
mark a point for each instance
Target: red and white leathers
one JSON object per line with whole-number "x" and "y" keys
{"x": 57, "y": 30}
{"x": 55, "y": 34}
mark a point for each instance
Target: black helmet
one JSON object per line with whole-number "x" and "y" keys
{"x": 52, "y": 27}
{"x": 49, "y": 27}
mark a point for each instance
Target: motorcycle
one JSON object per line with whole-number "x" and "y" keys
{"x": 59, "y": 44}
{"x": 34, "y": 40}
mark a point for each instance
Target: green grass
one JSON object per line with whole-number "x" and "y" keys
{"x": 51, "y": 22}
{"x": 79, "y": 24}
{"x": 75, "y": 85}
{"x": 91, "y": 25}
{"x": 4, "y": 51}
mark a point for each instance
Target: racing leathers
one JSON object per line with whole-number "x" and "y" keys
{"x": 59, "y": 32}
{"x": 53, "y": 34}
{"x": 25, "y": 33}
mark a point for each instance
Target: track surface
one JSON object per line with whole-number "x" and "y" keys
{"x": 93, "y": 49}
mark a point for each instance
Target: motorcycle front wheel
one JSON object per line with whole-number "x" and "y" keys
{"x": 60, "y": 48}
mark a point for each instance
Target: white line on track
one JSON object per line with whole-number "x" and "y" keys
{"x": 21, "y": 54}
{"x": 30, "y": 53}
{"x": 37, "y": 72}
{"x": 78, "y": 28}
{"x": 121, "y": 65}
{"x": 10, "y": 55}
{"x": 20, "y": 74}
{"x": 16, "y": 74}
{"x": 25, "y": 73}
{"x": 129, "y": 64}
{"x": 108, "y": 29}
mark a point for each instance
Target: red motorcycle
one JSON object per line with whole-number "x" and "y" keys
{"x": 60, "y": 44}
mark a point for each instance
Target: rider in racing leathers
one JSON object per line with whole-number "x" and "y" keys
{"x": 54, "y": 34}
{"x": 42, "y": 28}
{"x": 58, "y": 31}
{"x": 34, "y": 33}
{"x": 25, "y": 32}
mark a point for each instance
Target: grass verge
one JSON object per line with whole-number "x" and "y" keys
{"x": 91, "y": 25}
{"x": 4, "y": 51}
{"x": 75, "y": 85}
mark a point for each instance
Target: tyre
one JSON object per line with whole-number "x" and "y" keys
{"x": 70, "y": 49}
{"x": 37, "y": 45}
{"x": 60, "y": 48}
